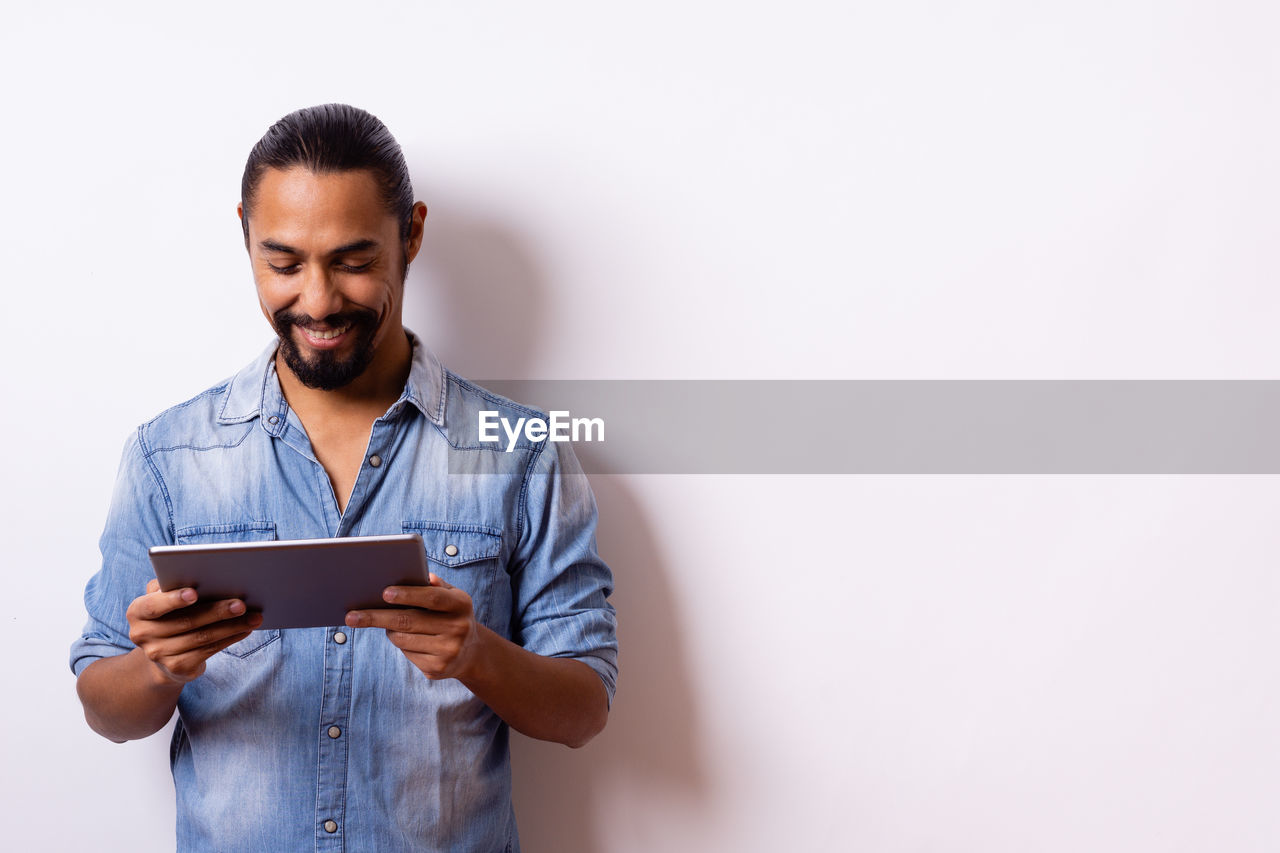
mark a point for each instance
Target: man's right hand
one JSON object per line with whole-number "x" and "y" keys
{"x": 178, "y": 634}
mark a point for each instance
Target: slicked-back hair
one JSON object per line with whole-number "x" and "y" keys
{"x": 332, "y": 138}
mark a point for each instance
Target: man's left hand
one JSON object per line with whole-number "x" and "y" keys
{"x": 437, "y": 631}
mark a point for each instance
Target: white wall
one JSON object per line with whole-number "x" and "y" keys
{"x": 707, "y": 189}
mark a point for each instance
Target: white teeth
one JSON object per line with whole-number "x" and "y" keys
{"x": 326, "y": 336}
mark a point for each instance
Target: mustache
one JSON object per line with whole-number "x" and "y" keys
{"x": 284, "y": 319}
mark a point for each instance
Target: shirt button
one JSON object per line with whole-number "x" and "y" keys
{"x": 273, "y": 420}
{"x": 335, "y": 732}
{"x": 451, "y": 550}
{"x": 375, "y": 460}
{"x": 339, "y": 637}
{"x": 330, "y": 826}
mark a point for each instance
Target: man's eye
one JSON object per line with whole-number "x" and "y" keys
{"x": 355, "y": 267}
{"x": 289, "y": 270}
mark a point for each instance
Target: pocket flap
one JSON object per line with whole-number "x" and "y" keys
{"x": 215, "y": 534}
{"x": 456, "y": 544}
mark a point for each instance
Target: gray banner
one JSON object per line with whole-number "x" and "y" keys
{"x": 919, "y": 426}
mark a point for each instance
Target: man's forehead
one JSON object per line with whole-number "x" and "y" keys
{"x": 304, "y": 209}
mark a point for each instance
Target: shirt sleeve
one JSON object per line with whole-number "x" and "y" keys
{"x": 560, "y": 584}
{"x": 137, "y": 519}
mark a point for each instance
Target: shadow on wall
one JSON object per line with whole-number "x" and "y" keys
{"x": 484, "y": 296}
{"x": 474, "y": 294}
{"x": 651, "y": 741}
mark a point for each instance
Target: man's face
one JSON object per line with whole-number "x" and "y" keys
{"x": 330, "y": 266}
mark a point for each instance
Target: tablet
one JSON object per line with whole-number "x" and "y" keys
{"x": 296, "y": 583}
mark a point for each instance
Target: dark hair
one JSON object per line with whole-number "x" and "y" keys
{"x": 332, "y": 138}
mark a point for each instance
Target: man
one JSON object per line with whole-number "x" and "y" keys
{"x": 389, "y": 732}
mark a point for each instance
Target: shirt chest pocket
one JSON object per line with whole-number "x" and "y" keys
{"x": 244, "y": 531}
{"x": 469, "y": 556}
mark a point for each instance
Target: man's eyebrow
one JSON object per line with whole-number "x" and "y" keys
{"x": 354, "y": 246}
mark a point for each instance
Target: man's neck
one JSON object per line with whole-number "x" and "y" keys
{"x": 369, "y": 395}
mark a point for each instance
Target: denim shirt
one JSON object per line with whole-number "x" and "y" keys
{"x": 329, "y": 737}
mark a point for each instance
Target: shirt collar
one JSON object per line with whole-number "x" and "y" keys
{"x": 255, "y": 390}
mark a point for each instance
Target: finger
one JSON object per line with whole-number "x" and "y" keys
{"x": 214, "y": 648}
{"x": 435, "y": 661}
{"x": 422, "y": 644}
{"x": 177, "y": 645}
{"x": 434, "y": 667}
{"x": 153, "y": 585}
{"x": 154, "y": 605}
{"x": 189, "y": 619}
{"x": 186, "y": 666}
{"x": 407, "y": 620}
{"x": 444, "y": 599}
{"x": 435, "y": 580}
{"x": 202, "y": 616}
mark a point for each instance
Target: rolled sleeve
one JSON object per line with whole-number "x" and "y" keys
{"x": 138, "y": 518}
{"x": 560, "y": 583}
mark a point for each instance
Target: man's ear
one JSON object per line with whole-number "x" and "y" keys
{"x": 416, "y": 220}
{"x": 240, "y": 216}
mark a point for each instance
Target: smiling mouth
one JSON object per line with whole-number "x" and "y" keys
{"x": 325, "y": 334}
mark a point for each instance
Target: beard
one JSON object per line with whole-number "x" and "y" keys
{"x": 326, "y": 370}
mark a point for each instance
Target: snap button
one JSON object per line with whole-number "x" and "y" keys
{"x": 330, "y": 826}
{"x": 273, "y": 420}
{"x": 451, "y": 550}
{"x": 335, "y": 732}
{"x": 339, "y": 637}
{"x": 375, "y": 460}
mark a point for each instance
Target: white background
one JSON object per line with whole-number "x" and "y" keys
{"x": 706, "y": 189}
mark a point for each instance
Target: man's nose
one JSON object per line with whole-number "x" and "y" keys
{"x": 319, "y": 297}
